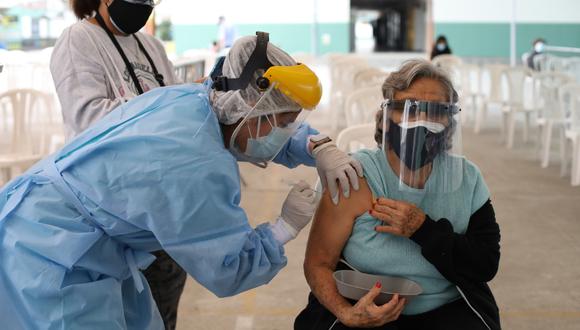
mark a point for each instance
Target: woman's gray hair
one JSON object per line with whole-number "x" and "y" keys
{"x": 401, "y": 79}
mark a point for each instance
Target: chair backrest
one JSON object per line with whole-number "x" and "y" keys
{"x": 540, "y": 62}
{"x": 362, "y": 104}
{"x": 356, "y": 137}
{"x": 516, "y": 78}
{"x": 27, "y": 116}
{"x": 341, "y": 73}
{"x": 451, "y": 64}
{"x": 548, "y": 96}
{"x": 446, "y": 60}
{"x": 491, "y": 77}
{"x": 573, "y": 68}
{"x": 556, "y": 63}
{"x": 344, "y": 73}
{"x": 569, "y": 101}
{"x": 370, "y": 77}
{"x": 470, "y": 79}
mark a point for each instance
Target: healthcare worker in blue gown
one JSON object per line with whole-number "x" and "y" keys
{"x": 161, "y": 172}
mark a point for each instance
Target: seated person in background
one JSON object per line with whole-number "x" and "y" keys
{"x": 430, "y": 220}
{"x": 441, "y": 47}
{"x": 537, "y": 49}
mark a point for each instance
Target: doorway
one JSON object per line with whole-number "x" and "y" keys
{"x": 388, "y": 25}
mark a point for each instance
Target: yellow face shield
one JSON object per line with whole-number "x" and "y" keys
{"x": 297, "y": 82}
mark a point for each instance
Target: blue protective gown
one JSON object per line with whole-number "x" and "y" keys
{"x": 154, "y": 174}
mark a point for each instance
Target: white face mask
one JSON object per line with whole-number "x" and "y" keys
{"x": 429, "y": 125}
{"x": 539, "y": 47}
{"x": 441, "y": 47}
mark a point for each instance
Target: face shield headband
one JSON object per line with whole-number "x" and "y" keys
{"x": 258, "y": 60}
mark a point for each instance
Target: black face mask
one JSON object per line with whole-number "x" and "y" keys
{"x": 129, "y": 17}
{"x": 422, "y": 145}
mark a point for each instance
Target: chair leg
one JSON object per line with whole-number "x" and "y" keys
{"x": 478, "y": 118}
{"x": 575, "y": 177}
{"x": 546, "y": 145}
{"x": 563, "y": 158}
{"x": 539, "y": 140}
{"x": 511, "y": 130}
{"x": 504, "y": 126}
{"x": 526, "y": 126}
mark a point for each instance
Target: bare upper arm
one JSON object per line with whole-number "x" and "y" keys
{"x": 332, "y": 225}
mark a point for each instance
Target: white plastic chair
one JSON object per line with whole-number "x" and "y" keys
{"x": 552, "y": 113}
{"x": 569, "y": 96}
{"x": 357, "y": 137}
{"x": 28, "y": 114}
{"x": 362, "y": 104}
{"x": 519, "y": 83}
{"x": 491, "y": 88}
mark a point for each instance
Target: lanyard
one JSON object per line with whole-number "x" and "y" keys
{"x": 158, "y": 76}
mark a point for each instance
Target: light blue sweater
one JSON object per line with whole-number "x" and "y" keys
{"x": 386, "y": 254}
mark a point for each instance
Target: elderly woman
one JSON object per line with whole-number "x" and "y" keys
{"x": 423, "y": 212}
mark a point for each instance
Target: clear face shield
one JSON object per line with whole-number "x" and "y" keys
{"x": 422, "y": 141}
{"x": 264, "y": 131}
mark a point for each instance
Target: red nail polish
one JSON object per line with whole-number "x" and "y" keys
{"x": 378, "y": 285}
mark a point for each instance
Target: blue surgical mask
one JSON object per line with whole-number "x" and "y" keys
{"x": 266, "y": 147}
{"x": 441, "y": 47}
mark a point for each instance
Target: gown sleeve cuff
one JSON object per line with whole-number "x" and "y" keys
{"x": 282, "y": 232}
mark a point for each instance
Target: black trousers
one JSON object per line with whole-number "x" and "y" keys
{"x": 166, "y": 280}
{"x": 455, "y": 315}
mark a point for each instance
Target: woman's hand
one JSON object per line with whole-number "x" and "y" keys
{"x": 401, "y": 218}
{"x": 366, "y": 314}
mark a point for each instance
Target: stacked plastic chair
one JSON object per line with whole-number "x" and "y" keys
{"x": 519, "y": 81}
{"x": 362, "y": 104}
{"x": 551, "y": 114}
{"x": 470, "y": 95}
{"x": 370, "y": 77}
{"x": 569, "y": 97}
{"x": 357, "y": 137}
{"x": 452, "y": 64}
{"x": 491, "y": 90}
{"x": 343, "y": 69}
{"x": 27, "y": 118}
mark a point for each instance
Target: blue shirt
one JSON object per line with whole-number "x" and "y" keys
{"x": 386, "y": 254}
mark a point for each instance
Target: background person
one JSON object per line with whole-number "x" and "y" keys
{"x": 227, "y": 34}
{"x": 441, "y": 47}
{"x": 98, "y": 64}
{"x": 538, "y": 47}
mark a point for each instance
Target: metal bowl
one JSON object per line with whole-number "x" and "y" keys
{"x": 354, "y": 285}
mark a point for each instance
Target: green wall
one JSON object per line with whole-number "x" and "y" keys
{"x": 290, "y": 37}
{"x": 493, "y": 39}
